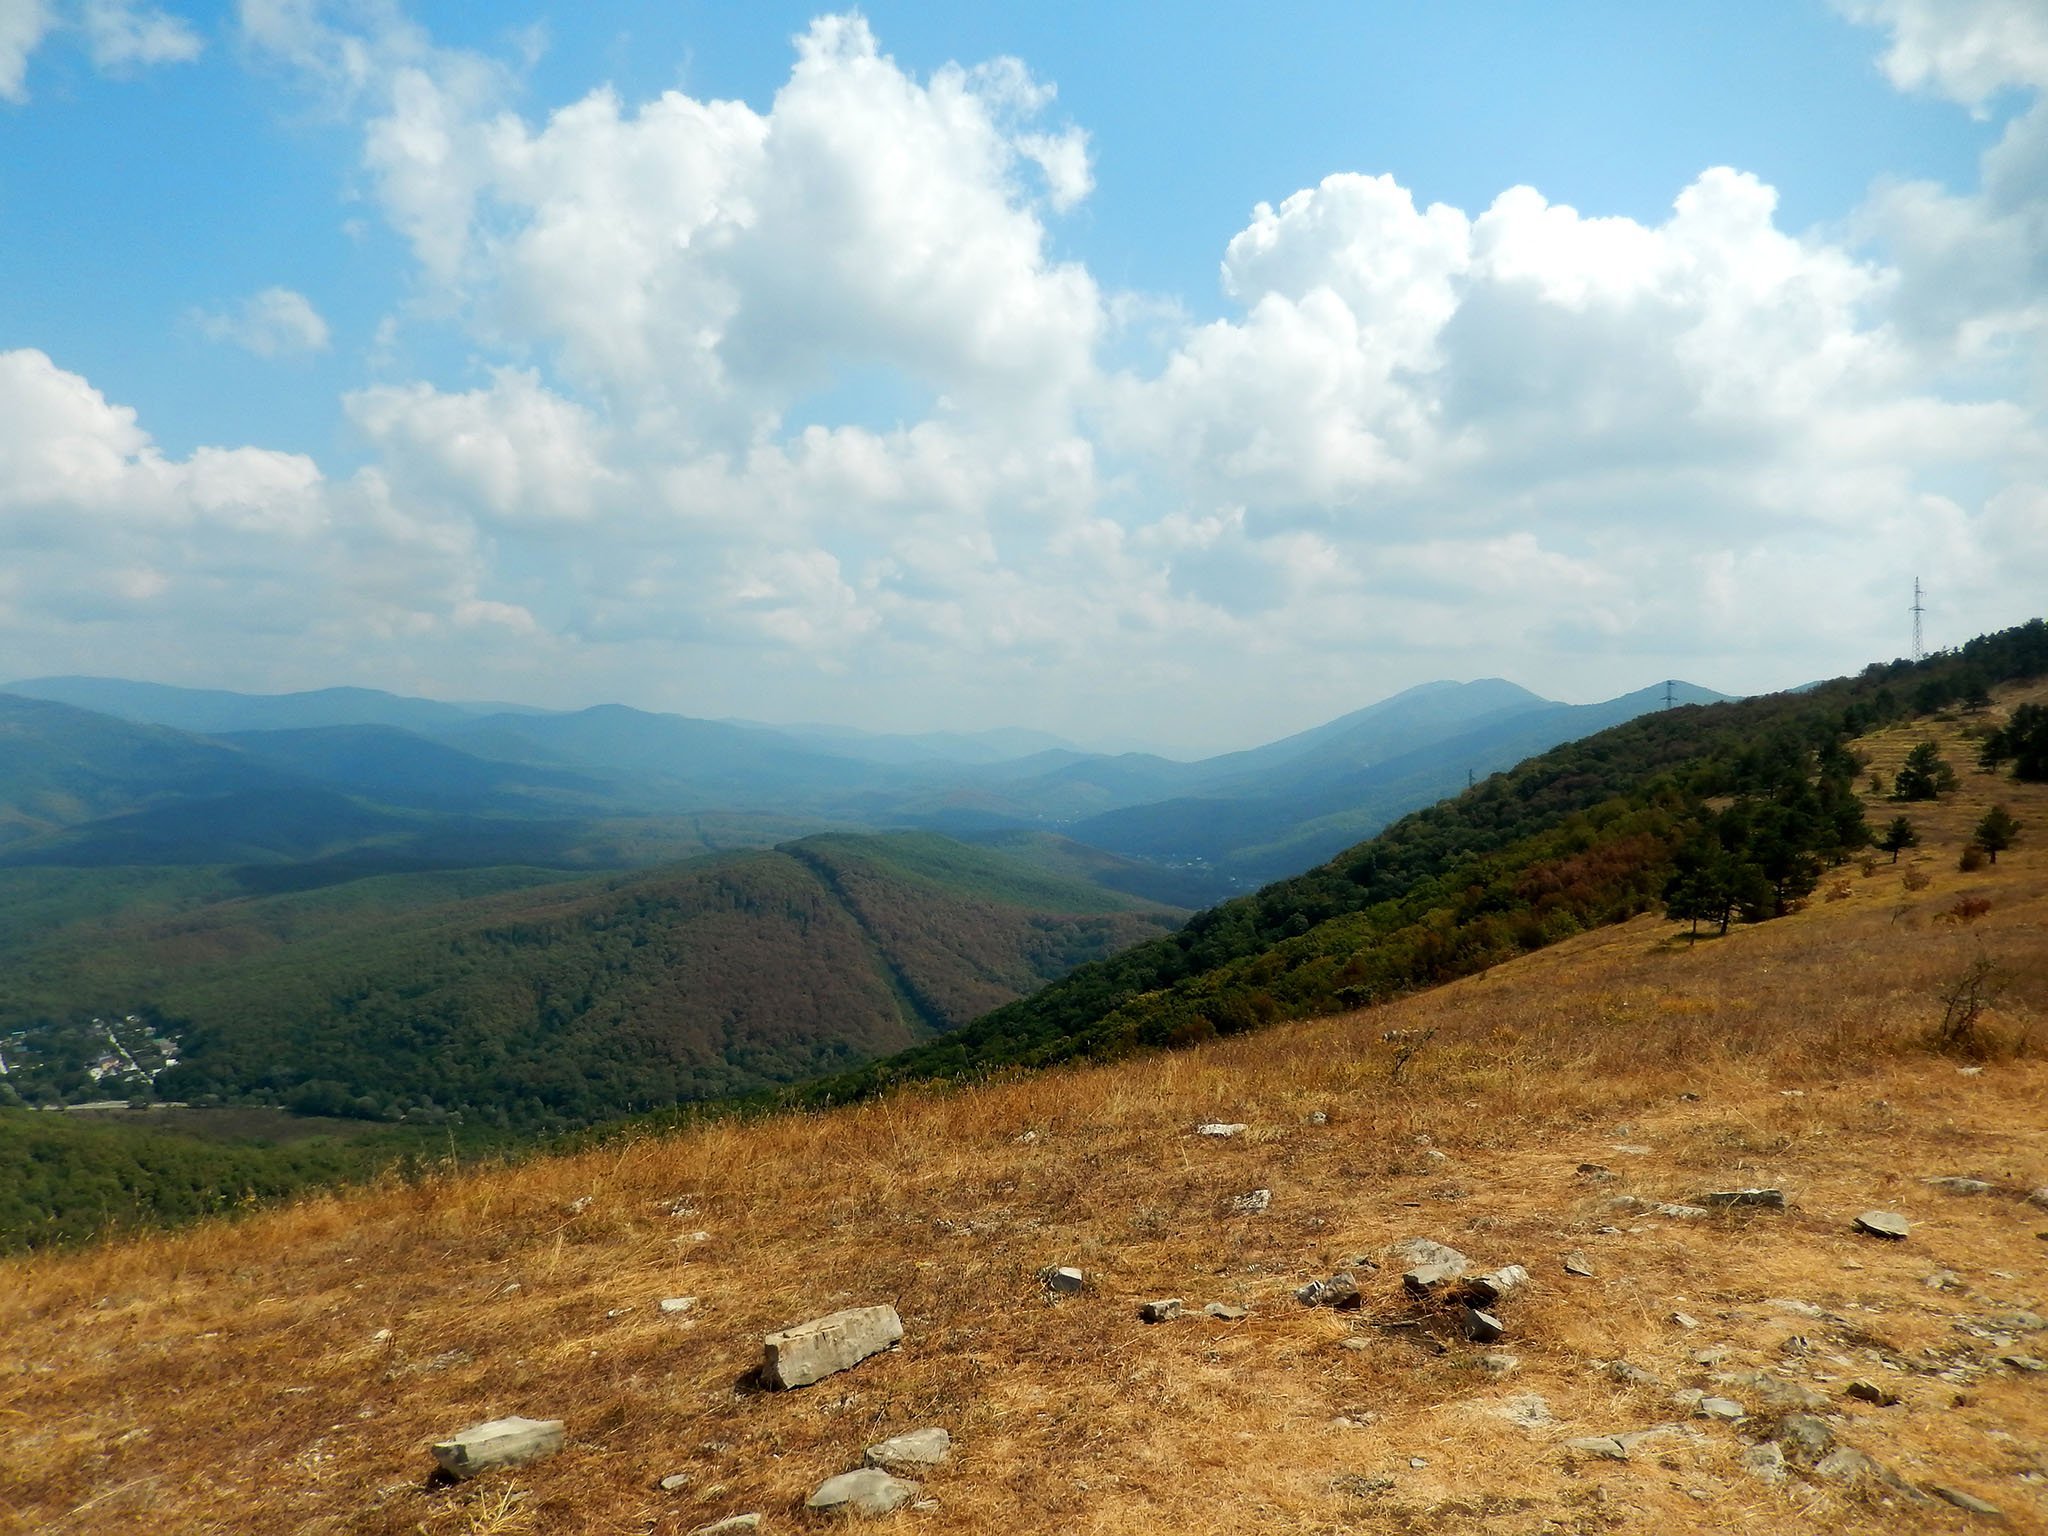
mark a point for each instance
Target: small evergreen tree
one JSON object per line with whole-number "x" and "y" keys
{"x": 1926, "y": 775}
{"x": 1997, "y": 832}
{"x": 1899, "y": 836}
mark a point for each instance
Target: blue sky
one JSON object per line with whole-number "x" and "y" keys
{"x": 1034, "y": 456}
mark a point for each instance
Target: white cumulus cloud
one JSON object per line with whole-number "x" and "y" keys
{"x": 277, "y": 322}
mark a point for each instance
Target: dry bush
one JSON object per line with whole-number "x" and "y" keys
{"x": 1967, "y": 909}
{"x": 1972, "y": 859}
{"x": 1916, "y": 879}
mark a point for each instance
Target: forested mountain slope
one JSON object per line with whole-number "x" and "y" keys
{"x": 1584, "y": 834}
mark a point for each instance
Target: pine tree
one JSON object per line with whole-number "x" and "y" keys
{"x": 1898, "y": 836}
{"x": 1997, "y": 832}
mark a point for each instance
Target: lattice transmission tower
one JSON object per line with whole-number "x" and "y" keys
{"x": 1919, "y": 650}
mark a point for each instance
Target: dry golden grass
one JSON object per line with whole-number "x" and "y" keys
{"x": 239, "y": 1377}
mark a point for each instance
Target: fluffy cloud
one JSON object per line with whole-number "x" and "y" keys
{"x": 1419, "y": 441}
{"x": 278, "y": 322}
{"x": 120, "y": 36}
{"x": 23, "y": 26}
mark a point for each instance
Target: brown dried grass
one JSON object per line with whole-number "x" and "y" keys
{"x": 230, "y": 1378}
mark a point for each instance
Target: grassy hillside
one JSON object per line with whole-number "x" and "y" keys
{"x": 286, "y": 1372}
{"x": 543, "y": 1004}
{"x": 1585, "y": 834}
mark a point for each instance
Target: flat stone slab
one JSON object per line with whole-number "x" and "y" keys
{"x": 1607, "y": 1447}
{"x": 1888, "y": 1224}
{"x": 917, "y": 1449}
{"x": 1064, "y": 1281}
{"x": 811, "y": 1351}
{"x": 731, "y": 1525}
{"x": 1767, "y": 1199}
{"x": 1227, "y": 1311}
{"x": 1966, "y": 1501}
{"x": 675, "y": 1306}
{"x": 869, "y": 1491}
{"x": 1222, "y": 1130}
{"x": 1252, "y": 1202}
{"x": 1160, "y": 1311}
{"x": 1576, "y": 1263}
{"x": 1952, "y": 1185}
{"x": 499, "y": 1443}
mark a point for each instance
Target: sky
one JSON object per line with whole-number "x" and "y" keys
{"x": 1183, "y": 376}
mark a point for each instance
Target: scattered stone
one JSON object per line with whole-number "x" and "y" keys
{"x": 1481, "y": 1327}
{"x": 1630, "y": 1151}
{"x": 1227, "y": 1312}
{"x": 825, "y": 1346}
{"x": 1887, "y": 1224}
{"x": 870, "y": 1491}
{"x": 1805, "y": 1435}
{"x": 1317, "y": 1117}
{"x": 1434, "y": 1157}
{"x": 1952, "y": 1185}
{"x": 1160, "y": 1311}
{"x": 914, "y": 1451}
{"x": 1423, "y": 1250}
{"x": 1576, "y": 1263}
{"x": 1252, "y": 1202}
{"x": 1685, "y": 1320}
{"x": 1064, "y": 1281}
{"x": 1966, "y": 1501}
{"x": 1796, "y": 1308}
{"x": 1339, "y": 1291}
{"x": 1025, "y": 1138}
{"x": 1221, "y": 1130}
{"x": 1529, "y": 1412}
{"x": 1679, "y": 1212}
{"x": 1769, "y": 1199}
{"x": 1424, "y": 1278}
{"x": 1943, "y": 1280}
{"x": 1417, "y": 1463}
{"x": 676, "y": 1305}
{"x": 499, "y": 1443}
{"x": 1688, "y": 1398}
{"x": 1633, "y": 1375}
{"x": 1598, "y": 1172}
{"x": 383, "y": 1335}
{"x": 1842, "y": 1465}
{"x": 578, "y": 1206}
{"x": 1871, "y": 1392}
{"x": 1499, "y": 1365}
{"x": 1780, "y": 1395}
{"x": 1606, "y": 1447}
{"x": 2021, "y": 1322}
{"x": 2023, "y": 1362}
{"x": 675, "y": 1482}
{"x": 1356, "y": 1345}
{"x": 731, "y": 1525}
{"x": 1766, "y": 1461}
{"x": 2038, "y": 1196}
{"x": 1489, "y": 1288}
{"x": 1726, "y": 1409}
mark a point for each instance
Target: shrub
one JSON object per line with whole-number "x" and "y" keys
{"x": 1973, "y": 859}
{"x": 1916, "y": 879}
{"x": 1968, "y": 909}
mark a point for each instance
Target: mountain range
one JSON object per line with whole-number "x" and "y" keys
{"x": 200, "y": 774}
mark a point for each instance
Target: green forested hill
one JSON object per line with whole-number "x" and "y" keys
{"x": 536, "y": 1005}
{"x": 1587, "y": 833}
